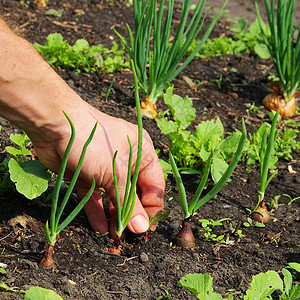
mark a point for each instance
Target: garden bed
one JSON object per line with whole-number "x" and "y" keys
{"x": 146, "y": 268}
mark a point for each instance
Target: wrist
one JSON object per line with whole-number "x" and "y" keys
{"x": 32, "y": 95}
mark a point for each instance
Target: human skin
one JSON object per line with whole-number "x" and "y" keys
{"x": 33, "y": 96}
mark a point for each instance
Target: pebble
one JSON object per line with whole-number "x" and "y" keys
{"x": 144, "y": 257}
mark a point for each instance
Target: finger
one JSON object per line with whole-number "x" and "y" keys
{"x": 139, "y": 221}
{"x": 151, "y": 185}
{"x": 94, "y": 210}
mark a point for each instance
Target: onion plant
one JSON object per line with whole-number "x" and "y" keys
{"x": 156, "y": 60}
{"x": 285, "y": 52}
{"x": 185, "y": 237}
{"x": 124, "y": 210}
{"x": 52, "y": 234}
{"x": 260, "y": 212}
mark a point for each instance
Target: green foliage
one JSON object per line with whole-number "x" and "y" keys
{"x": 244, "y": 41}
{"x": 200, "y": 285}
{"x": 34, "y": 293}
{"x": 262, "y": 286}
{"x": 158, "y": 217}
{"x": 208, "y": 226}
{"x": 285, "y": 143}
{"x": 124, "y": 213}
{"x": 251, "y": 223}
{"x": 39, "y": 293}
{"x": 157, "y": 62}
{"x": 31, "y": 177}
{"x": 53, "y": 233}
{"x": 81, "y": 56}
{"x": 191, "y": 150}
{"x": 196, "y": 202}
{"x": 285, "y": 54}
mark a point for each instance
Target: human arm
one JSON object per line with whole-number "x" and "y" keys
{"x": 33, "y": 96}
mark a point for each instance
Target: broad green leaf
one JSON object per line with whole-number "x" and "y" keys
{"x": 288, "y": 280}
{"x": 17, "y": 152}
{"x": 20, "y": 140}
{"x": 295, "y": 266}
{"x": 209, "y": 129}
{"x": 218, "y": 167}
{"x": 39, "y": 293}
{"x": 166, "y": 126}
{"x": 54, "y": 40}
{"x": 181, "y": 108}
{"x": 229, "y": 146}
{"x": 262, "y": 51}
{"x": 263, "y": 285}
{"x": 80, "y": 45}
{"x": 200, "y": 285}
{"x": 31, "y": 177}
{"x": 2, "y": 271}
{"x": 166, "y": 167}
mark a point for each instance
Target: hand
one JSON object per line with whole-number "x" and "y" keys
{"x": 33, "y": 96}
{"x": 111, "y": 135}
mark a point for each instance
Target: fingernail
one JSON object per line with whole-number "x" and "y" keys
{"x": 139, "y": 224}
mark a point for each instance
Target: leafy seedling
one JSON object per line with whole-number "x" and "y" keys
{"x": 262, "y": 286}
{"x": 30, "y": 176}
{"x": 192, "y": 150}
{"x": 52, "y": 234}
{"x": 185, "y": 236}
{"x": 208, "y": 226}
{"x": 252, "y": 223}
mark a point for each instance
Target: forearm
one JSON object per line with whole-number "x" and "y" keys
{"x": 32, "y": 95}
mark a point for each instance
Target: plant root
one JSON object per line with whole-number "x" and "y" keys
{"x": 47, "y": 260}
{"x": 275, "y": 101}
{"x": 261, "y": 214}
{"x": 185, "y": 237}
{"x": 148, "y": 109}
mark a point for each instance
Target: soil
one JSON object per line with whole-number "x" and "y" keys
{"x": 148, "y": 267}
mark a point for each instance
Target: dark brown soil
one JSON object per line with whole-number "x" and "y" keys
{"x": 85, "y": 269}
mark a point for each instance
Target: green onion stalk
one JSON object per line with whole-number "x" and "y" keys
{"x": 124, "y": 210}
{"x": 52, "y": 234}
{"x": 260, "y": 212}
{"x": 156, "y": 60}
{"x": 284, "y": 47}
{"x": 185, "y": 237}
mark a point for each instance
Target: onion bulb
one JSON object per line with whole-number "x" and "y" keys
{"x": 185, "y": 237}
{"x": 261, "y": 214}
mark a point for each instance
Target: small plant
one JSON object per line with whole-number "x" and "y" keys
{"x": 252, "y": 223}
{"x": 244, "y": 41}
{"x": 262, "y": 286}
{"x": 124, "y": 211}
{"x": 185, "y": 237}
{"x": 286, "y": 142}
{"x": 260, "y": 212}
{"x": 81, "y": 56}
{"x": 163, "y": 59}
{"x": 285, "y": 54}
{"x": 52, "y": 235}
{"x": 30, "y": 176}
{"x": 291, "y": 199}
{"x": 208, "y": 226}
{"x": 192, "y": 150}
